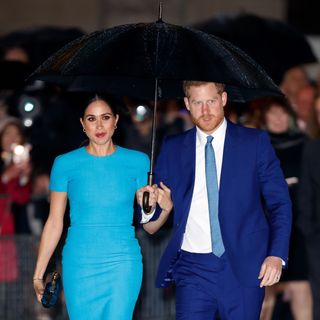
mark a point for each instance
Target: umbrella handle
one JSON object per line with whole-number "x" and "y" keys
{"x": 145, "y": 202}
{"x": 145, "y": 198}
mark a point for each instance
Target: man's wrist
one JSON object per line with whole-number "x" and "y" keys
{"x": 166, "y": 210}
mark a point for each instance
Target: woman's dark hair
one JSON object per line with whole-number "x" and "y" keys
{"x": 113, "y": 102}
{"x": 116, "y": 105}
{"x": 12, "y": 122}
{"x": 280, "y": 102}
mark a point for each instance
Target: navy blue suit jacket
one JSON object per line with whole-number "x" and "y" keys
{"x": 254, "y": 203}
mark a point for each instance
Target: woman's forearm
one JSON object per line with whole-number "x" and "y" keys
{"x": 49, "y": 240}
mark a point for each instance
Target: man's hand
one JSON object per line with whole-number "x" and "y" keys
{"x": 164, "y": 198}
{"x": 153, "y": 197}
{"x": 270, "y": 271}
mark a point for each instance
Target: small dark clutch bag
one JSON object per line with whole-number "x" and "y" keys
{"x": 51, "y": 291}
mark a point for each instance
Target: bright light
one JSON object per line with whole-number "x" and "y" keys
{"x": 27, "y": 122}
{"x": 141, "y": 111}
{"x": 28, "y": 107}
{"x": 18, "y": 150}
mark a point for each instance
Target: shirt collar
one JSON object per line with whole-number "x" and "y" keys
{"x": 218, "y": 134}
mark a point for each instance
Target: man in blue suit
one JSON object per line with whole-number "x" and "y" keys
{"x": 232, "y": 212}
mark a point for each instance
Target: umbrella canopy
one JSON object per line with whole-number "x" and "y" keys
{"x": 150, "y": 60}
{"x": 126, "y": 59}
{"x": 275, "y": 45}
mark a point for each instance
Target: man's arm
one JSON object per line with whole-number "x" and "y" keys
{"x": 278, "y": 204}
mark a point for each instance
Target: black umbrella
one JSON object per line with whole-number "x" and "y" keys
{"x": 150, "y": 60}
{"x": 39, "y": 42}
{"x": 274, "y": 44}
{"x": 125, "y": 60}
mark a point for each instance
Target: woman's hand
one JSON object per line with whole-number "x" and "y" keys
{"x": 164, "y": 198}
{"x": 153, "y": 191}
{"x": 17, "y": 170}
{"x": 25, "y": 168}
{"x": 38, "y": 288}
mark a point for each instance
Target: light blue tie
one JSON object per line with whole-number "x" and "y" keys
{"x": 213, "y": 199}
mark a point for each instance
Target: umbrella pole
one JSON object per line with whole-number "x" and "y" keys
{"x": 145, "y": 201}
{"x": 154, "y": 133}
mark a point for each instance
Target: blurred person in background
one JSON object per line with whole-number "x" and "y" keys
{"x": 293, "y": 81}
{"x": 8, "y": 263}
{"x": 3, "y": 108}
{"x": 303, "y": 105}
{"x": 38, "y": 206}
{"x": 251, "y": 114}
{"x": 309, "y": 206}
{"x": 288, "y": 142}
{"x": 138, "y": 128}
{"x": 16, "y": 53}
{"x": 15, "y": 169}
{"x": 174, "y": 118}
{"x": 313, "y": 124}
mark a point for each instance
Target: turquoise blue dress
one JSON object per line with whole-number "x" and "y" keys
{"x": 101, "y": 260}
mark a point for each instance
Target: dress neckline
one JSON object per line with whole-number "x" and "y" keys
{"x": 103, "y": 157}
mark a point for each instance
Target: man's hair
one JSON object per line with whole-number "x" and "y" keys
{"x": 189, "y": 83}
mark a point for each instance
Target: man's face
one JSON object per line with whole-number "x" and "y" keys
{"x": 206, "y": 105}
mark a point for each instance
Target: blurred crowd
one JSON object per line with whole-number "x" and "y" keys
{"x": 38, "y": 121}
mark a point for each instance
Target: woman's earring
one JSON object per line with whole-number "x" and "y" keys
{"x": 84, "y": 130}
{"x": 115, "y": 127}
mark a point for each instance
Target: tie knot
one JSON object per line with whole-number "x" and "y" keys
{"x": 209, "y": 139}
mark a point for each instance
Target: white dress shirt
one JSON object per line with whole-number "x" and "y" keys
{"x": 197, "y": 236}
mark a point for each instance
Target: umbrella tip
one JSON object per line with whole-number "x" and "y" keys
{"x": 160, "y": 11}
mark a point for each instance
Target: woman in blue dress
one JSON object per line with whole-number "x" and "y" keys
{"x": 101, "y": 260}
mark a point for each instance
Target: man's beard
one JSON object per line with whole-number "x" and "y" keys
{"x": 197, "y": 121}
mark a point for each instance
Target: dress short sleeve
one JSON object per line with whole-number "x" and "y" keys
{"x": 59, "y": 175}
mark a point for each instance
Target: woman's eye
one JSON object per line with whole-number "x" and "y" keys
{"x": 106, "y": 117}
{"x": 91, "y": 119}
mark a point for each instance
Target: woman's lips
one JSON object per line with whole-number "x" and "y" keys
{"x": 100, "y": 135}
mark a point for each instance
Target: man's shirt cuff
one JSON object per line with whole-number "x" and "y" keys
{"x": 145, "y": 218}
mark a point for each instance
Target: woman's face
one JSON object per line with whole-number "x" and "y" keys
{"x": 99, "y": 122}
{"x": 277, "y": 119}
{"x": 11, "y": 134}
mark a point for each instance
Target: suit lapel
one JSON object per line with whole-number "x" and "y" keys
{"x": 230, "y": 150}
{"x": 188, "y": 159}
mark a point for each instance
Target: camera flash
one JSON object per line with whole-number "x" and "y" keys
{"x": 18, "y": 150}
